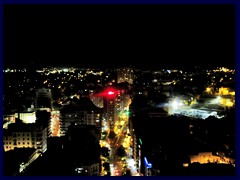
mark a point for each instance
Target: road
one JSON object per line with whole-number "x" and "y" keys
{"x": 117, "y": 168}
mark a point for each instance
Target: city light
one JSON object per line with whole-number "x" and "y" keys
{"x": 122, "y": 121}
{"x": 148, "y": 165}
{"x": 131, "y": 162}
{"x": 110, "y": 92}
{"x": 176, "y": 103}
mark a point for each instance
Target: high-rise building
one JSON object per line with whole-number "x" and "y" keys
{"x": 125, "y": 75}
{"x": 26, "y": 117}
{"x": 116, "y": 101}
{"x": 110, "y": 111}
{"x": 43, "y": 98}
{"x": 21, "y": 135}
{"x": 82, "y": 111}
{"x": 110, "y": 106}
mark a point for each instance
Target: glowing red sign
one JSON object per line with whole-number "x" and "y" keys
{"x": 109, "y": 92}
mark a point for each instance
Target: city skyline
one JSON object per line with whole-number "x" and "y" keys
{"x": 119, "y": 122}
{"x": 119, "y": 35}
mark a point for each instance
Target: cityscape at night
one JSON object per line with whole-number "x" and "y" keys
{"x": 119, "y": 90}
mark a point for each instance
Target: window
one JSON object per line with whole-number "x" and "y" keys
{"x": 23, "y": 142}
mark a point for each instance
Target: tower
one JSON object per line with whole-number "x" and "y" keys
{"x": 110, "y": 112}
{"x": 43, "y": 98}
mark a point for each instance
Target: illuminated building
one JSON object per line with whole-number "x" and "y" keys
{"x": 227, "y": 97}
{"x": 209, "y": 157}
{"x": 225, "y": 91}
{"x": 110, "y": 111}
{"x": 115, "y": 102}
{"x": 38, "y": 109}
{"x": 82, "y": 111}
{"x": 209, "y": 105}
{"x": 9, "y": 117}
{"x": 202, "y": 112}
{"x": 110, "y": 106}
{"x": 26, "y": 117}
{"x": 124, "y": 100}
{"x": 54, "y": 125}
{"x": 21, "y": 135}
{"x": 125, "y": 75}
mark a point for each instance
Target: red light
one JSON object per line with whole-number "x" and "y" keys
{"x": 110, "y": 92}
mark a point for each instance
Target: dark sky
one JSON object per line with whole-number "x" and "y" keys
{"x": 107, "y": 35}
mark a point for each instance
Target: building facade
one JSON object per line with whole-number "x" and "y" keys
{"x": 43, "y": 98}
{"x": 25, "y": 136}
{"x": 81, "y": 113}
{"x": 79, "y": 117}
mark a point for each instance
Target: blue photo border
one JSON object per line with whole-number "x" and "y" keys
{"x": 236, "y": 3}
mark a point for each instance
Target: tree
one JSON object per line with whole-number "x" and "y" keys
{"x": 121, "y": 151}
{"x": 105, "y": 151}
{"x": 104, "y": 135}
{"x": 111, "y": 135}
{"x": 106, "y": 166}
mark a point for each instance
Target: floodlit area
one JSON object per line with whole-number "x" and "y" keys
{"x": 132, "y": 166}
{"x": 116, "y": 120}
{"x": 215, "y": 106}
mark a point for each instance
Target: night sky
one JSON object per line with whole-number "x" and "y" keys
{"x": 118, "y": 35}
